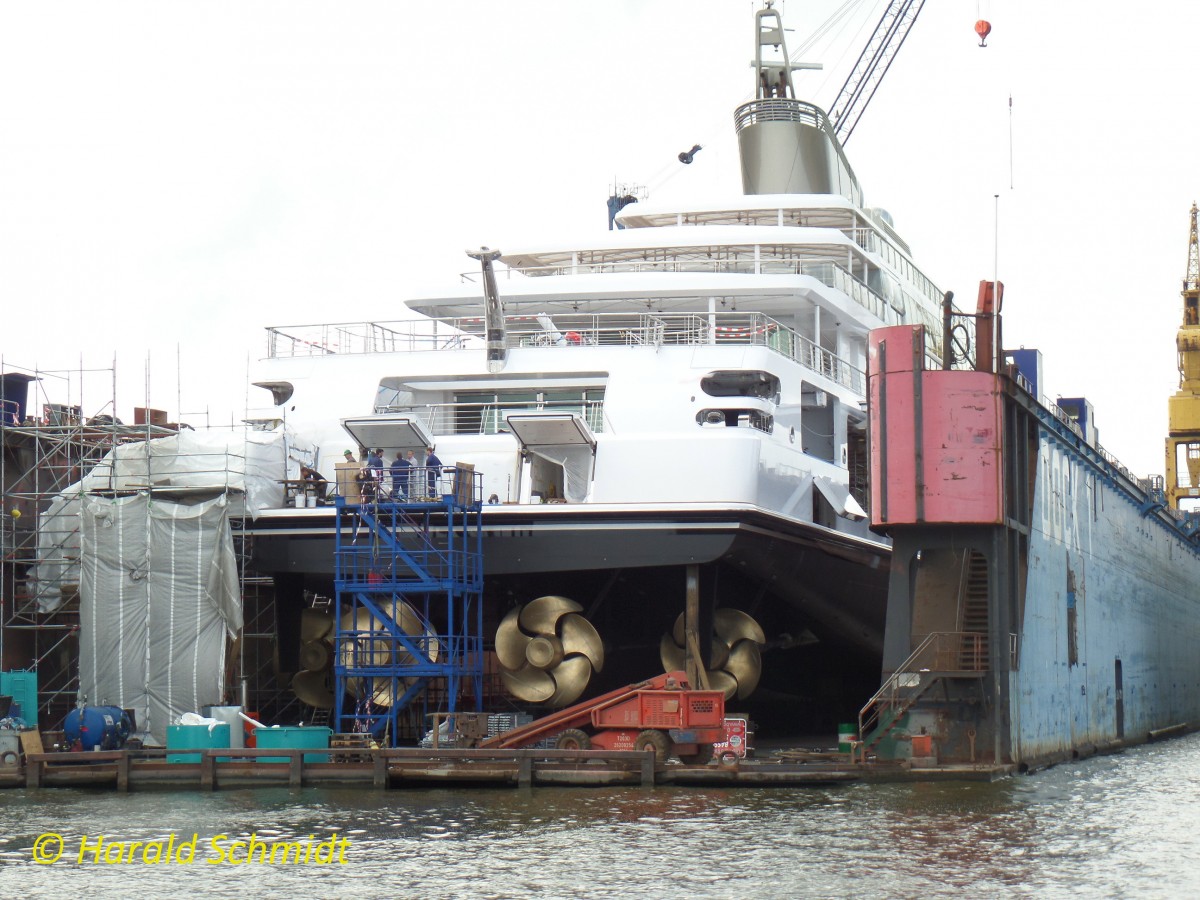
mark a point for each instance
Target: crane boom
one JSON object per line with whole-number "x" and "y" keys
{"x": 872, "y": 65}
{"x": 1183, "y": 408}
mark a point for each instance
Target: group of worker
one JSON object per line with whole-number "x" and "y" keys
{"x": 406, "y": 472}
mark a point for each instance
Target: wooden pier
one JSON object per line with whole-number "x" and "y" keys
{"x": 383, "y": 769}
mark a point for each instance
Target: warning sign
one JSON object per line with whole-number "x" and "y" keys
{"x": 735, "y": 739}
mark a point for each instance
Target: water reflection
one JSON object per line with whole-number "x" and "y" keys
{"x": 1112, "y": 826}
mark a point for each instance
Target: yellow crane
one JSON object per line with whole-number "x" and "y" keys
{"x": 1183, "y": 410}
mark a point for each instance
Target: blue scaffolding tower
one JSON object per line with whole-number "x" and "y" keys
{"x": 408, "y": 587}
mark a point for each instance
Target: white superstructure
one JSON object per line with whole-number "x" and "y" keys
{"x": 713, "y": 354}
{"x": 685, "y": 391}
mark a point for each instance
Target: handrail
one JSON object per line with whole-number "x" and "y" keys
{"x": 564, "y": 330}
{"x": 490, "y": 416}
{"x": 872, "y": 711}
{"x": 890, "y": 686}
{"x": 827, "y": 270}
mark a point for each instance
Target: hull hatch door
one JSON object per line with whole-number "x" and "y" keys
{"x": 562, "y": 448}
{"x": 389, "y": 432}
{"x": 839, "y": 498}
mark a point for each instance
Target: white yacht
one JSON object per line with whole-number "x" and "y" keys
{"x": 681, "y": 397}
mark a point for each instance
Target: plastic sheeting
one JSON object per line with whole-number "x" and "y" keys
{"x": 158, "y": 595}
{"x": 250, "y": 463}
{"x": 576, "y": 462}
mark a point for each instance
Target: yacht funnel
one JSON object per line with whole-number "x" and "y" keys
{"x": 787, "y": 146}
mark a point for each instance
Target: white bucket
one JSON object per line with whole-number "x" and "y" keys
{"x": 310, "y": 501}
{"x": 299, "y": 501}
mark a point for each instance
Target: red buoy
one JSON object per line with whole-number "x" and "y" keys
{"x": 983, "y": 28}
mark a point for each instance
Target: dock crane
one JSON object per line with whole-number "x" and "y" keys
{"x": 1183, "y": 409}
{"x": 877, "y": 56}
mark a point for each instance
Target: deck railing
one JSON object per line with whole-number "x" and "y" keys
{"x": 654, "y": 329}
{"x": 492, "y": 417}
{"x": 827, "y": 271}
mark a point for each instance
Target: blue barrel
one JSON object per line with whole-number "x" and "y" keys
{"x": 97, "y": 727}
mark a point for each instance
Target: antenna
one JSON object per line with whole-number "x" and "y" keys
{"x": 996, "y": 348}
{"x": 1010, "y": 144}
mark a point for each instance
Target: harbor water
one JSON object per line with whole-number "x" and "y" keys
{"x": 1124, "y": 825}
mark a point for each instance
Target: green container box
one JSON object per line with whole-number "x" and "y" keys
{"x": 296, "y": 737}
{"x": 22, "y": 687}
{"x": 196, "y": 737}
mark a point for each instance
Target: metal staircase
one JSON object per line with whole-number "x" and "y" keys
{"x": 942, "y": 655}
{"x": 973, "y": 614}
{"x": 408, "y": 595}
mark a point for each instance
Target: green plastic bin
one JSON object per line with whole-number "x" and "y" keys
{"x": 293, "y": 737}
{"x": 196, "y": 737}
{"x": 847, "y": 732}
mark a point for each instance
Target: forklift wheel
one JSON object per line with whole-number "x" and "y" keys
{"x": 655, "y": 739}
{"x": 573, "y": 739}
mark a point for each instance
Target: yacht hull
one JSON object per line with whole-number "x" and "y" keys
{"x": 819, "y": 595}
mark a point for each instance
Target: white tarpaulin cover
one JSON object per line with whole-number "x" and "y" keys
{"x": 158, "y": 593}
{"x": 576, "y": 462}
{"x": 248, "y": 462}
{"x": 565, "y": 440}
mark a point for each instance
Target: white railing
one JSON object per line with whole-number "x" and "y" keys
{"x": 665, "y": 329}
{"x": 574, "y": 330}
{"x": 827, "y": 271}
{"x": 492, "y": 417}
{"x": 361, "y": 337}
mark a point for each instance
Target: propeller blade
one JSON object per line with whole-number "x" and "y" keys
{"x": 316, "y": 655}
{"x": 733, "y": 625}
{"x": 570, "y": 677}
{"x": 529, "y": 684}
{"x": 719, "y": 651}
{"x": 511, "y": 641}
{"x": 541, "y": 616}
{"x": 315, "y": 624}
{"x": 720, "y": 680}
{"x": 677, "y": 632}
{"x": 745, "y": 664}
{"x": 314, "y": 689}
{"x": 672, "y": 656}
{"x": 579, "y": 636}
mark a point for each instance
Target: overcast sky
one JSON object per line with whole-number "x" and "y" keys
{"x": 174, "y": 177}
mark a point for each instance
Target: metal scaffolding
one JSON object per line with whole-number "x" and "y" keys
{"x": 48, "y": 444}
{"x": 50, "y": 439}
{"x": 409, "y": 611}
